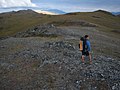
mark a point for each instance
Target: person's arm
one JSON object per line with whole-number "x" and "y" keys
{"x": 88, "y": 46}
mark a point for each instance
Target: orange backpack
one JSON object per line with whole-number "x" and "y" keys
{"x": 81, "y": 45}
{"x": 82, "y": 39}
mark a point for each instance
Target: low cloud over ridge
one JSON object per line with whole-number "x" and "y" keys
{"x": 16, "y": 3}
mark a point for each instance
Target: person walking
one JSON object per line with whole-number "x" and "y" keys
{"x": 85, "y": 48}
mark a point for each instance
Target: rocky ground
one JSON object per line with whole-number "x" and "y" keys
{"x": 46, "y": 57}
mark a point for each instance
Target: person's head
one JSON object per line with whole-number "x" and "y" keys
{"x": 86, "y": 37}
{"x": 82, "y": 38}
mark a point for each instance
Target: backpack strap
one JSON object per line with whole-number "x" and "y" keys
{"x": 84, "y": 45}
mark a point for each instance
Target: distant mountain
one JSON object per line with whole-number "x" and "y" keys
{"x": 105, "y": 12}
{"x": 116, "y": 13}
{"x": 23, "y": 11}
{"x": 110, "y": 13}
{"x": 29, "y": 11}
{"x": 45, "y": 12}
{"x": 50, "y": 11}
{"x": 56, "y": 11}
{"x": 20, "y": 12}
{"x": 32, "y": 10}
{"x": 97, "y": 11}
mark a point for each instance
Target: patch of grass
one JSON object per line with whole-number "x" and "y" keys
{"x": 106, "y": 20}
{"x": 14, "y": 24}
{"x": 73, "y": 23}
{"x": 48, "y": 35}
{"x": 16, "y": 48}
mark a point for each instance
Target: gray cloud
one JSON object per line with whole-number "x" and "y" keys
{"x": 16, "y": 3}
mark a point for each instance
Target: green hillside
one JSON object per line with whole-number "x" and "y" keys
{"x": 13, "y": 22}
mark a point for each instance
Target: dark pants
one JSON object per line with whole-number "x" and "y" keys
{"x": 85, "y": 53}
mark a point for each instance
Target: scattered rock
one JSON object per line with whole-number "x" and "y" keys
{"x": 46, "y": 30}
{"x": 54, "y": 64}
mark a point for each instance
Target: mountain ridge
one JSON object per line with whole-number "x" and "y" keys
{"x": 32, "y": 18}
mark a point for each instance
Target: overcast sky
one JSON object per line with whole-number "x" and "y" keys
{"x": 65, "y": 5}
{"x": 80, "y": 5}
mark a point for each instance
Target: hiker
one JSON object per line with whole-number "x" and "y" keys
{"x": 85, "y": 48}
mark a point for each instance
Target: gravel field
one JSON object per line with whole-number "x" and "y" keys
{"x": 48, "y": 58}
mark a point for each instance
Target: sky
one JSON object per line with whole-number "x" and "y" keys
{"x": 80, "y": 5}
{"x": 64, "y": 5}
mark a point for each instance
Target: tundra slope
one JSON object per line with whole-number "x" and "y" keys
{"x": 48, "y": 58}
